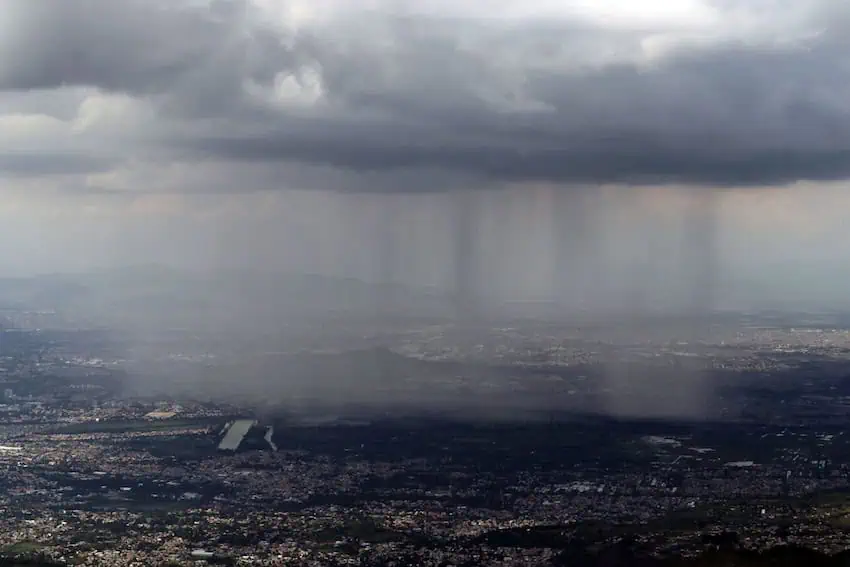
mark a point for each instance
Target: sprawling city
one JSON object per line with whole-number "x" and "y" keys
{"x": 529, "y": 443}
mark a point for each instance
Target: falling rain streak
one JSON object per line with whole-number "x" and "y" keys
{"x": 578, "y": 252}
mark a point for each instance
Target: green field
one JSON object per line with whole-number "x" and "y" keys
{"x": 23, "y": 548}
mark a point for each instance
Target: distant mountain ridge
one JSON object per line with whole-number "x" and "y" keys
{"x": 158, "y": 295}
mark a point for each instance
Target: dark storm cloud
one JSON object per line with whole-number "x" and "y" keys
{"x": 731, "y": 116}
{"x": 188, "y": 58}
{"x": 28, "y": 164}
{"x": 615, "y": 161}
{"x": 135, "y": 46}
{"x": 526, "y": 101}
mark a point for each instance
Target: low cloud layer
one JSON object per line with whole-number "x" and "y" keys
{"x": 420, "y": 97}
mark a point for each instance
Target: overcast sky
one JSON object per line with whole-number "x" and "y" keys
{"x": 285, "y": 134}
